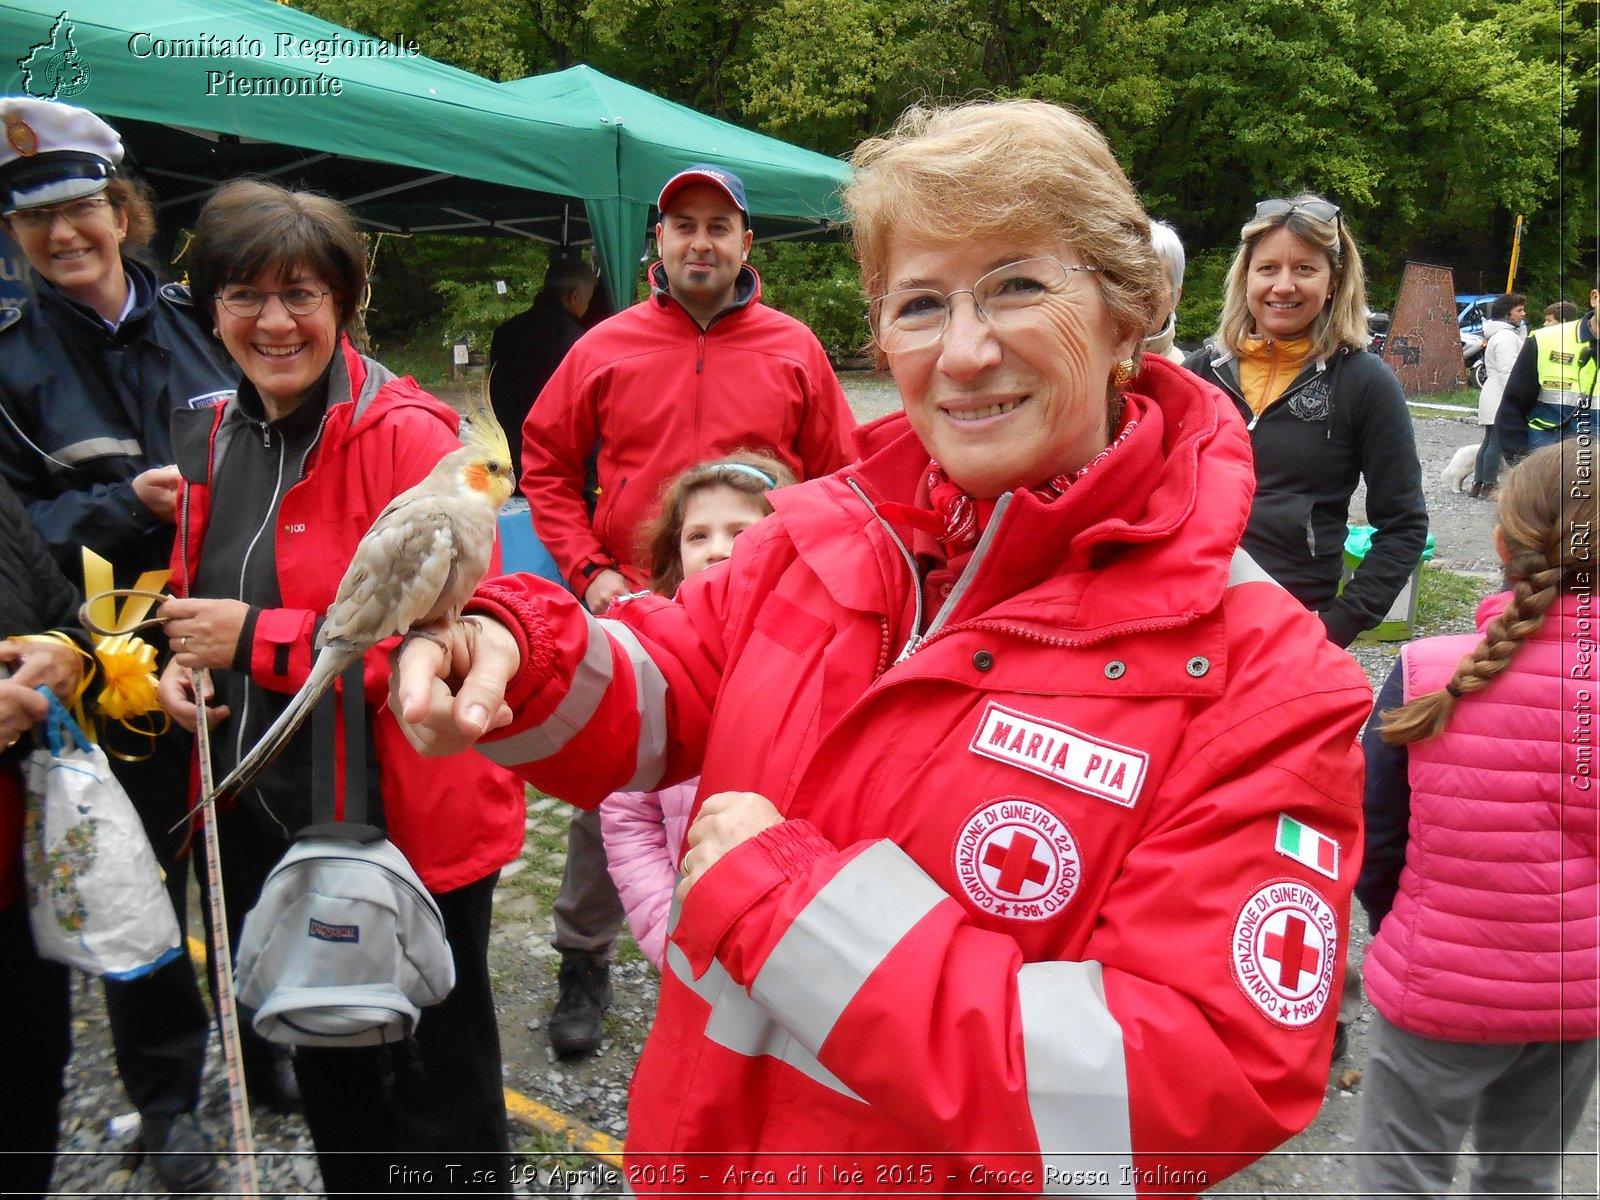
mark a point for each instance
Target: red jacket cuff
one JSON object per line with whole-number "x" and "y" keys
{"x": 513, "y": 608}
{"x": 739, "y": 881}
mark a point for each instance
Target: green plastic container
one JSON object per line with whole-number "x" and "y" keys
{"x": 1400, "y": 623}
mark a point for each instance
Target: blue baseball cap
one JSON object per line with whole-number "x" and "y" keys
{"x": 717, "y": 177}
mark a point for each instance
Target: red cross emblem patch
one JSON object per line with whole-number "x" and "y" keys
{"x": 1014, "y": 858}
{"x": 1285, "y": 948}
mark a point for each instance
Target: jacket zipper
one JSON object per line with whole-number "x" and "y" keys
{"x": 244, "y": 566}
{"x": 1255, "y": 417}
{"x": 938, "y": 629}
{"x": 911, "y": 565}
{"x": 990, "y": 532}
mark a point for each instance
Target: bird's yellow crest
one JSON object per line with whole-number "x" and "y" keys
{"x": 480, "y": 429}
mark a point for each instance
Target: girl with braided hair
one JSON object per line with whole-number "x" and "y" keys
{"x": 1480, "y": 878}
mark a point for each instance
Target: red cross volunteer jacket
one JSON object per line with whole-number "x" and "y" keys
{"x": 1061, "y": 898}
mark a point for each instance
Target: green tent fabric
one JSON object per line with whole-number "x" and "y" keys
{"x": 412, "y": 145}
{"x": 792, "y": 192}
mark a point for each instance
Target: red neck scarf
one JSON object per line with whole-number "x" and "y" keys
{"x": 962, "y": 519}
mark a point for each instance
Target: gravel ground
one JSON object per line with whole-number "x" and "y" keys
{"x": 592, "y": 1092}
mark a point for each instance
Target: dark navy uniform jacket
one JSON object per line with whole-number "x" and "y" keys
{"x": 84, "y": 409}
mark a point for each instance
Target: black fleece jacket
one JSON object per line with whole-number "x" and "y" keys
{"x": 34, "y": 595}
{"x": 1340, "y": 421}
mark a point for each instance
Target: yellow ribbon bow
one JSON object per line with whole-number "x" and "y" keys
{"x": 127, "y": 663}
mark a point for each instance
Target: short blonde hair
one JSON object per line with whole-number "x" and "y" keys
{"x": 1018, "y": 169}
{"x": 1342, "y": 321}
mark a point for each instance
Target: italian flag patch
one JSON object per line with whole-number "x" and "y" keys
{"x": 1305, "y": 845}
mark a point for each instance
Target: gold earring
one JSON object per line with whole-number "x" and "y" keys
{"x": 1122, "y": 374}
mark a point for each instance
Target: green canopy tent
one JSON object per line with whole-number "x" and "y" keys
{"x": 792, "y": 192}
{"x": 205, "y": 90}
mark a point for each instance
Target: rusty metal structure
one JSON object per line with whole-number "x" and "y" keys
{"x": 1423, "y": 346}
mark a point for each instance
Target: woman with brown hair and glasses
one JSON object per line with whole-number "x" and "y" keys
{"x": 279, "y": 486}
{"x": 1323, "y": 414}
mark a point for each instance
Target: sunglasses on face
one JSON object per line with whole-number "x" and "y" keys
{"x": 1320, "y": 210}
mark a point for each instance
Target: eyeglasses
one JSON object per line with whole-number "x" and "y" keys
{"x": 78, "y": 213}
{"x": 916, "y": 318}
{"x": 301, "y": 301}
{"x": 1320, "y": 210}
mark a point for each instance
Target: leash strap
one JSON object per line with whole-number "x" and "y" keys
{"x": 217, "y": 915}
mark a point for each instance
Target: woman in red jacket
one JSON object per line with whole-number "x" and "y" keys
{"x": 1028, "y": 804}
{"x": 280, "y": 485}
{"x": 1481, "y": 875}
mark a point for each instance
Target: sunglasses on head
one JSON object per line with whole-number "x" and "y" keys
{"x": 1320, "y": 210}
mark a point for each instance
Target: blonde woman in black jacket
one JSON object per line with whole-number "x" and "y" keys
{"x": 1324, "y": 414}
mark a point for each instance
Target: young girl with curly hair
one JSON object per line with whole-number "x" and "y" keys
{"x": 1480, "y": 877}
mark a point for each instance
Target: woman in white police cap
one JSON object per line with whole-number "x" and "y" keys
{"x": 91, "y": 366}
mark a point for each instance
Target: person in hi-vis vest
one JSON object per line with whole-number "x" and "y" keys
{"x": 1551, "y": 390}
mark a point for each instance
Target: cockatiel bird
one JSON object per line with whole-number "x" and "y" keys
{"x": 420, "y": 561}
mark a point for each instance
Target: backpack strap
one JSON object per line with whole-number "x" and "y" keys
{"x": 348, "y": 702}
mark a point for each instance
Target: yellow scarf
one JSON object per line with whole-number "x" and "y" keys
{"x": 1268, "y": 367}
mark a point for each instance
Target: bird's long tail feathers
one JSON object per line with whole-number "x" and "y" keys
{"x": 331, "y": 661}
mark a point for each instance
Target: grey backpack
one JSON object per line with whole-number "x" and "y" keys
{"x": 344, "y": 946}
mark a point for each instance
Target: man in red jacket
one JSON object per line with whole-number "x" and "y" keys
{"x": 700, "y": 369}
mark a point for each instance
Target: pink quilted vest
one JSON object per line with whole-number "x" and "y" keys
{"x": 1494, "y": 935}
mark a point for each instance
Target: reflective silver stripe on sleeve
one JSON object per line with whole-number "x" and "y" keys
{"x": 1244, "y": 569}
{"x": 739, "y": 1024}
{"x": 589, "y": 683}
{"x": 96, "y": 448}
{"x": 650, "y": 696}
{"x": 1077, "y": 1078}
{"x": 841, "y": 937}
{"x": 1557, "y": 396}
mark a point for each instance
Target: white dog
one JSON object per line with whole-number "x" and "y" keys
{"x": 1458, "y": 475}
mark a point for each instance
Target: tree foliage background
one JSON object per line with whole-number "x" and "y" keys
{"x": 1432, "y": 122}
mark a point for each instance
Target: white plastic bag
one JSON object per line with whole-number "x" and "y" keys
{"x": 95, "y": 896}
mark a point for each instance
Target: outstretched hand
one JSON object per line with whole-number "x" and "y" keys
{"x": 448, "y": 685}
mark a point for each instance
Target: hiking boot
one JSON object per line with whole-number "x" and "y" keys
{"x": 584, "y": 995}
{"x": 180, "y": 1152}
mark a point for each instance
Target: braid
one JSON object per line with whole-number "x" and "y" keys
{"x": 1537, "y": 520}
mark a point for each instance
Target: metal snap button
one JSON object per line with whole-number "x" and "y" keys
{"x": 983, "y": 660}
{"x": 1197, "y": 666}
{"x": 1116, "y": 669}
